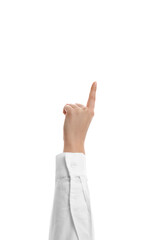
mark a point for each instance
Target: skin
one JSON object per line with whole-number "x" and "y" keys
{"x": 77, "y": 120}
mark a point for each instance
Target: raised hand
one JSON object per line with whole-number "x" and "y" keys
{"x": 77, "y": 121}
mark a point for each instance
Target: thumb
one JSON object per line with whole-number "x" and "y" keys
{"x": 67, "y": 108}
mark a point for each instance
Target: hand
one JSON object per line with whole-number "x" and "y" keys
{"x": 77, "y": 120}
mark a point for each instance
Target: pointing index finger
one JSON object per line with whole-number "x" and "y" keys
{"x": 92, "y": 96}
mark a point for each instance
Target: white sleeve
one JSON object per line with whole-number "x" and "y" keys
{"x": 71, "y": 217}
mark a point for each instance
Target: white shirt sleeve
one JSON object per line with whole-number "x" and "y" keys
{"x": 71, "y": 217}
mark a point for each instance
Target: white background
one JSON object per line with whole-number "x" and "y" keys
{"x": 50, "y": 53}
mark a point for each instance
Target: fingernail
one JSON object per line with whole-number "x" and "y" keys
{"x": 95, "y": 85}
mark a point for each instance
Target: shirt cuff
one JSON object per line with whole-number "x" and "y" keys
{"x": 70, "y": 164}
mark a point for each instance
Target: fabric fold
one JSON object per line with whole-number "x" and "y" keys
{"x": 71, "y": 179}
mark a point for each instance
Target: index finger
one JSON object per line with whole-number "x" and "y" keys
{"x": 92, "y": 96}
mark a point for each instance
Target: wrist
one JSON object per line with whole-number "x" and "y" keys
{"x": 73, "y": 147}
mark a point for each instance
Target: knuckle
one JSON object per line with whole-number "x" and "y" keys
{"x": 66, "y": 105}
{"x": 78, "y": 111}
{"x": 93, "y": 97}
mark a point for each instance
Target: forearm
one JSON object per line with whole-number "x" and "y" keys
{"x": 71, "y": 215}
